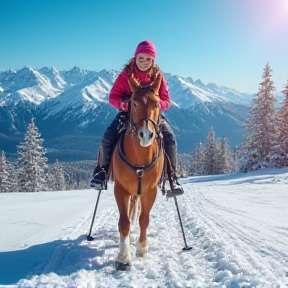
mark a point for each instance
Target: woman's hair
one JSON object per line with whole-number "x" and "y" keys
{"x": 130, "y": 62}
{"x": 130, "y": 66}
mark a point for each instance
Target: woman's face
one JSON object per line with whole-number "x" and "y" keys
{"x": 144, "y": 61}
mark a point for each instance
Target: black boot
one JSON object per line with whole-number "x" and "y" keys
{"x": 99, "y": 180}
{"x": 170, "y": 147}
{"x": 109, "y": 140}
{"x": 176, "y": 188}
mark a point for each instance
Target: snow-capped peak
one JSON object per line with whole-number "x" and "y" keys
{"x": 54, "y": 77}
{"x": 84, "y": 86}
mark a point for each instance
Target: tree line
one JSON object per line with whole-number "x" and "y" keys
{"x": 266, "y": 139}
{"x": 216, "y": 157}
{"x": 40, "y": 176}
{"x": 31, "y": 173}
{"x": 266, "y": 142}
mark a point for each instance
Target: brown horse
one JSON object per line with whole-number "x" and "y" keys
{"x": 137, "y": 165}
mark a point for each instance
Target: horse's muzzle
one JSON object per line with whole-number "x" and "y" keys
{"x": 146, "y": 136}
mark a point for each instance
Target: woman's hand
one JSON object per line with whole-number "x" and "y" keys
{"x": 124, "y": 105}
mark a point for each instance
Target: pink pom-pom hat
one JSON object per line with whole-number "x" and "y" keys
{"x": 146, "y": 47}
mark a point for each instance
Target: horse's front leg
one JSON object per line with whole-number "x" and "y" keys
{"x": 147, "y": 202}
{"x": 123, "y": 259}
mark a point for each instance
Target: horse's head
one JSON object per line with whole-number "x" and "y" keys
{"x": 145, "y": 109}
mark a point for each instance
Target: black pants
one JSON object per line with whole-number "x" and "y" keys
{"x": 111, "y": 135}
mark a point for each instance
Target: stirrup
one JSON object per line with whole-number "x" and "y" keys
{"x": 174, "y": 193}
{"x": 176, "y": 189}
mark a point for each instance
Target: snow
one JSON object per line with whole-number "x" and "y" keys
{"x": 237, "y": 225}
{"x": 38, "y": 86}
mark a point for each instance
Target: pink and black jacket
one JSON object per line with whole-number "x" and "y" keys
{"x": 121, "y": 88}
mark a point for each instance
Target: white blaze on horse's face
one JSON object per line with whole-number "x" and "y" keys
{"x": 146, "y": 134}
{"x": 147, "y": 111}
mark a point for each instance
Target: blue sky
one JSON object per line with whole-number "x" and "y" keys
{"x": 227, "y": 42}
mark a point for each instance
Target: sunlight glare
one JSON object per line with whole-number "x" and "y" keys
{"x": 286, "y": 5}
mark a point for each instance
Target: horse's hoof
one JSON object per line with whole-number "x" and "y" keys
{"x": 122, "y": 266}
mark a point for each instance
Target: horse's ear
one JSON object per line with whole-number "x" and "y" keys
{"x": 157, "y": 83}
{"x": 133, "y": 83}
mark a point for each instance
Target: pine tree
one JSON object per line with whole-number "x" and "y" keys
{"x": 197, "y": 167}
{"x": 210, "y": 163}
{"x": 280, "y": 154}
{"x": 58, "y": 179}
{"x": 233, "y": 160}
{"x": 4, "y": 174}
{"x": 32, "y": 163}
{"x": 12, "y": 172}
{"x": 261, "y": 126}
{"x": 223, "y": 157}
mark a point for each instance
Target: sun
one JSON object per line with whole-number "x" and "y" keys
{"x": 285, "y": 4}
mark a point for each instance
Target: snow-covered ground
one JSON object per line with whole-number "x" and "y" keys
{"x": 236, "y": 224}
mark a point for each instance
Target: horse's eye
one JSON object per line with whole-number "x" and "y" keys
{"x": 134, "y": 104}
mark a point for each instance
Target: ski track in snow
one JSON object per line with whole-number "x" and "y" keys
{"x": 226, "y": 252}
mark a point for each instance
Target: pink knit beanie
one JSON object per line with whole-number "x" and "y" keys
{"x": 146, "y": 47}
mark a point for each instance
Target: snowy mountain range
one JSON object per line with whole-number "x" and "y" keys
{"x": 71, "y": 110}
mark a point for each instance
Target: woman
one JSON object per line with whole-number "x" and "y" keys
{"x": 142, "y": 65}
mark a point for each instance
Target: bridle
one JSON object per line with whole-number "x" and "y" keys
{"x": 133, "y": 127}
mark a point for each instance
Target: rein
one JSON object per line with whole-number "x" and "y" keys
{"x": 133, "y": 125}
{"x": 139, "y": 170}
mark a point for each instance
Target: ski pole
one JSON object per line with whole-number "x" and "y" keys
{"x": 186, "y": 248}
{"x": 89, "y": 237}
